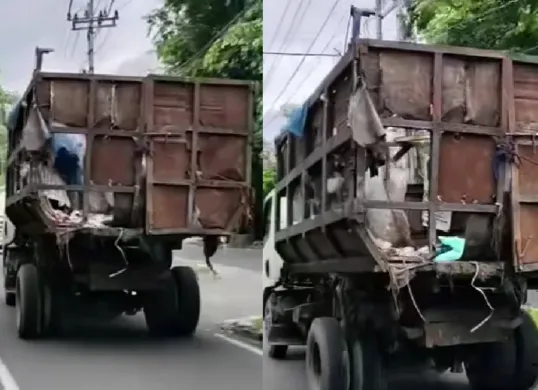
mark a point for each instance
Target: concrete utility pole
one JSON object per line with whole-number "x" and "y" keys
{"x": 92, "y": 23}
{"x": 379, "y": 18}
{"x": 380, "y": 15}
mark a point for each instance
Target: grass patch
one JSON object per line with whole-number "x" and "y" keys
{"x": 258, "y": 324}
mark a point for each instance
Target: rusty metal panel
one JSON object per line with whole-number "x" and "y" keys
{"x": 112, "y": 161}
{"x": 199, "y": 160}
{"x": 526, "y": 96}
{"x": 525, "y": 192}
{"x": 178, "y": 148}
{"x": 466, "y": 169}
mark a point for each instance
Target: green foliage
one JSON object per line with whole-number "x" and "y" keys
{"x": 6, "y": 101}
{"x": 220, "y": 39}
{"x": 180, "y": 28}
{"x": 269, "y": 181}
{"x": 488, "y": 24}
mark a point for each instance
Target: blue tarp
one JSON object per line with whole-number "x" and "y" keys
{"x": 297, "y": 120}
{"x": 69, "y": 150}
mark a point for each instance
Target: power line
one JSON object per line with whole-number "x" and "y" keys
{"x": 92, "y": 23}
{"x": 307, "y": 76}
{"x": 286, "y": 84}
{"x": 217, "y": 36}
{"x": 287, "y": 36}
{"x": 297, "y": 54}
{"x": 288, "y": 3}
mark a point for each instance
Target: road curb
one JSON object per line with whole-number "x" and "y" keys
{"x": 249, "y": 327}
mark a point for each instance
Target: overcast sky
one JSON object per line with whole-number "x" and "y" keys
{"x": 26, "y": 24}
{"x": 277, "y": 19}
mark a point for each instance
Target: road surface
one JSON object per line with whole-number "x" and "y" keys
{"x": 121, "y": 356}
{"x": 290, "y": 373}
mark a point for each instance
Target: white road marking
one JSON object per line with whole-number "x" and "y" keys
{"x": 240, "y": 344}
{"x": 6, "y": 379}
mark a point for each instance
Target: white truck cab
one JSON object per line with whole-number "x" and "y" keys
{"x": 272, "y": 262}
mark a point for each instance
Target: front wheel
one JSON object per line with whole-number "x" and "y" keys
{"x": 275, "y": 351}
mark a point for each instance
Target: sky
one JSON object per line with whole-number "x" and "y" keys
{"x": 284, "y": 33}
{"x": 125, "y": 49}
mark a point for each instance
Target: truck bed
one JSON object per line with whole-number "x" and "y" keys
{"x": 478, "y": 110}
{"x": 158, "y": 155}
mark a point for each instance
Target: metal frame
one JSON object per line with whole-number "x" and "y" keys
{"x": 295, "y": 172}
{"x": 144, "y": 131}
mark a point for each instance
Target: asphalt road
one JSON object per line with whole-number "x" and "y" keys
{"x": 121, "y": 356}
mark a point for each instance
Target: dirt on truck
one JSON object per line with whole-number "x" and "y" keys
{"x": 106, "y": 176}
{"x": 406, "y": 218}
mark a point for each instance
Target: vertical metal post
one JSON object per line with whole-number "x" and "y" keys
{"x": 91, "y": 38}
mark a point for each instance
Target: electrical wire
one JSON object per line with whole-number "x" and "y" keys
{"x": 288, "y": 3}
{"x": 287, "y": 84}
{"x": 217, "y": 36}
{"x": 307, "y": 76}
{"x": 287, "y": 36}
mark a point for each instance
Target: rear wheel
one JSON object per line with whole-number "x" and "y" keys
{"x": 366, "y": 364}
{"x": 327, "y": 360}
{"x": 174, "y": 310}
{"x": 28, "y": 302}
{"x": 10, "y": 298}
{"x": 160, "y": 309}
{"x": 188, "y": 299}
{"x": 511, "y": 365}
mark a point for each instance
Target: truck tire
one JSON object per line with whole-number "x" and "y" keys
{"x": 160, "y": 309}
{"x": 29, "y": 302}
{"x": 52, "y": 311}
{"x": 10, "y": 298}
{"x": 188, "y": 300}
{"x": 275, "y": 351}
{"x": 327, "y": 363}
{"x": 511, "y": 365}
{"x": 366, "y": 364}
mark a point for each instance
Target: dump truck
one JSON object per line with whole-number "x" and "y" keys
{"x": 105, "y": 178}
{"x": 401, "y": 228}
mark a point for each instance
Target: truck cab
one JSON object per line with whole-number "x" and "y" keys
{"x": 272, "y": 262}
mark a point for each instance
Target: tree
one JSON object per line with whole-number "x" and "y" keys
{"x": 221, "y": 39}
{"x": 488, "y": 24}
{"x": 7, "y": 100}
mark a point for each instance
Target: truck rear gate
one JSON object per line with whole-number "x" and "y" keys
{"x": 171, "y": 155}
{"x": 478, "y": 108}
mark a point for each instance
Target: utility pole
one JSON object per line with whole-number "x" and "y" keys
{"x": 92, "y": 22}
